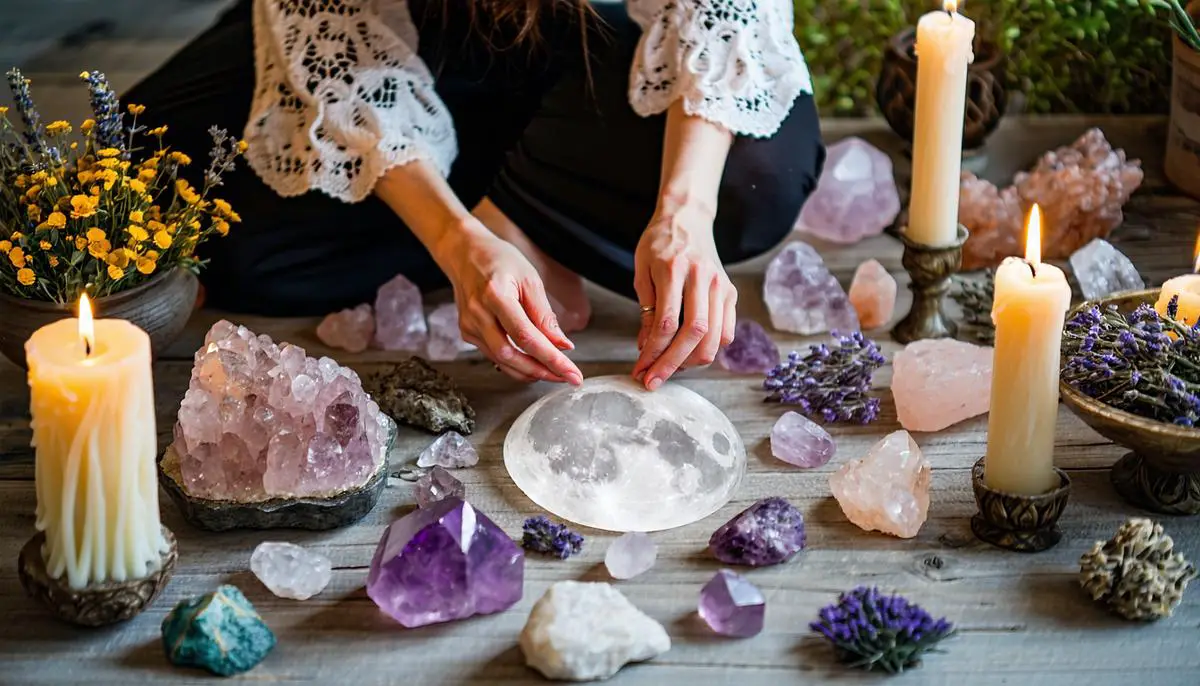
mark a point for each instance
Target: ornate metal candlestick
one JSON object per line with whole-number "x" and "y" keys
{"x": 930, "y": 268}
{"x": 1024, "y": 523}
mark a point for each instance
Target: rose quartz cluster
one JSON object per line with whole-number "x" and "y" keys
{"x": 856, "y": 196}
{"x": 888, "y": 490}
{"x": 938, "y": 383}
{"x": 873, "y": 295}
{"x": 1081, "y": 189}
{"x": 350, "y": 329}
{"x": 261, "y": 420}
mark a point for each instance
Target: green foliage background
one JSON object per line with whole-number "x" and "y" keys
{"x": 1095, "y": 56}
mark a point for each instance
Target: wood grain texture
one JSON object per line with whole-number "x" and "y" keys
{"x": 1022, "y": 617}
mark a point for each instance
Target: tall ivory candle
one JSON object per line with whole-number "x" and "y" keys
{"x": 1186, "y": 289}
{"x": 943, "y": 54}
{"x": 93, "y": 429}
{"x": 1031, "y": 303}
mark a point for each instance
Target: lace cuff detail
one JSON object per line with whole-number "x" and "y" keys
{"x": 341, "y": 97}
{"x": 732, "y": 62}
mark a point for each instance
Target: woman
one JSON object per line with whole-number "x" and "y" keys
{"x": 508, "y": 147}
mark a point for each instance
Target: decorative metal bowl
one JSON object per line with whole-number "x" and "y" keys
{"x": 1162, "y": 473}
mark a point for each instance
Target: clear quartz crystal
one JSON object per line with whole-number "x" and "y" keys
{"x": 450, "y": 450}
{"x": 290, "y": 571}
{"x": 400, "y": 316}
{"x": 445, "y": 337}
{"x": 437, "y": 484}
{"x": 1101, "y": 270}
{"x": 631, "y": 554}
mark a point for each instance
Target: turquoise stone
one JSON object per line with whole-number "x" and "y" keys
{"x": 219, "y": 631}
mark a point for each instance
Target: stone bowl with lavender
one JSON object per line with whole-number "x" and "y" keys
{"x": 1133, "y": 375}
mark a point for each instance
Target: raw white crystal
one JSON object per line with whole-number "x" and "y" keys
{"x": 585, "y": 631}
{"x": 445, "y": 337}
{"x": 1101, "y": 270}
{"x": 630, "y": 555}
{"x": 451, "y": 450}
{"x": 290, "y": 571}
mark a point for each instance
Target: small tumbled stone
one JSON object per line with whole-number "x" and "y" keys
{"x": 751, "y": 352}
{"x": 588, "y": 631}
{"x": 450, "y": 450}
{"x": 803, "y": 296}
{"x": 938, "y": 383}
{"x": 873, "y": 294}
{"x": 290, "y": 571}
{"x": 631, "y": 554}
{"x": 732, "y": 606}
{"x": 445, "y": 337}
{"x": 856, "y": 196}
{"x": 766, "y": 533}
{"x": 350, "y": 329}
{"x": 888, "y": 490}
{"x": 1101, "y": 270}
{"x": 400, "y": 316}
{"x": 437, "y": 484}
{"x": 218, "y": 631}
{"x": 798, "y": 440}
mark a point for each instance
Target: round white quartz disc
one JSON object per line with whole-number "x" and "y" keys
{"x": 611, "y": 455}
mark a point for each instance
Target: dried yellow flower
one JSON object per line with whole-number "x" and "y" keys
{"x": 221, "y": 206}
{"x": 243, "y": 146}
{"x": 82, "y": 206}
{"x": 108, "y": 152}
{"x": 3, "y": 111}
{"x": 52, "y": 260}
{"x": 136, "y": 216}
{"x": 99, "y": 249}
{"x": 137, "y": 186}
{"x": 26, "y": 277}
{"x": 87, "y": 125}
{"x": 96, "y": 234}
{"x": 137, "y": 233}
{"x": 118, "y": 258}
{"x": 58, "y": 128}
{"x": 135, "y": 110}
{"x": 108, "y": 163}
{"x": 152, "y": 254}
{"x": 34, "y": 213}
{"x": 33, "y": 192}
{"x": 157, "y": 131}
{"x": 221, "y": 226}
{"x": 162, "y": 239}
{"x": 45, "y": 245}
{"x": 85, "y": 177}
{"x": 52, "y": 182}
{"x": 56, "y": 220}
{"x": 181, "y": 158}
{"x": 115, "y": 273}
{"x": 186, "y": 192}
{"x": 81, "y": 243}
{"x": 5, "y": 246}
{"x": 147, "y": 175}
{"x": 17, "y": 257}
{"x": 145, "y": 265}
{"x": 109, "y": 177}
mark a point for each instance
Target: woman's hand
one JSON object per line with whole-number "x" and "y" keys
{"x": 502, "y": 307}
{"x": 678, "y": 273}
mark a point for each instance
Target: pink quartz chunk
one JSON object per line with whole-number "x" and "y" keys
{"x": 797, "y": 440}
{"x": 261, "y": 420}
{"x": 350, "y": 329}
{"x": 888, "y": 490}
{"x": 802, "y": 296}
{"x": 856, "y": 196}
{"x": 399, "y": 317}
{"x": 445, "y": 338}
{"x": 873, "y": 294}
{"x": 938, "y": 383}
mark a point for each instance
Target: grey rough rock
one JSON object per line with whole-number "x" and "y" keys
{"x": 414, "y": 393}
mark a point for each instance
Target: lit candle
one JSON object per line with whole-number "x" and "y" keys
{"x": 1030, "y": 305}
{"x": 943, "y": 54}
{"x": 1187, "y": 289}
{"x": 92, "y": 401}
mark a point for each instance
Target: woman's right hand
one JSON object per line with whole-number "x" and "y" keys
{"x": 502, "y": 307}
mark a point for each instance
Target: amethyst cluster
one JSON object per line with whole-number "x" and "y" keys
{"x": 871, "y": 631}
{"x": 1139, "y": 362}
{"x": 766, "y": 533}
{"x": 541, "y": 535}
{"x": 832, "y": 382}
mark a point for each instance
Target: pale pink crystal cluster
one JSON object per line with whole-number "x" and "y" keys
{"x": 888, "y": 490}
{"x": 262, "y": 420}
{"x": 938, "y": 383}
{"x": 856, "y": 195}
{"x": 1081, "y": 189}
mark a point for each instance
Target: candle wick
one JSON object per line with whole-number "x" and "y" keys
{"x": 1032, "y": 268}
{"x": 87, "y": 347}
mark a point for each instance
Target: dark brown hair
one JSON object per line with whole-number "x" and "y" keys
{"x": 521, "y": 19}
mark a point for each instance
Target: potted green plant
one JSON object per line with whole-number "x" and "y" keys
{"x": 107, "y": 212}
{"x": 1183, "y": 137}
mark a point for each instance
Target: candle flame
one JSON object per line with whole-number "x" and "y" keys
{"x": 1196, "y": 255}
{"x": 1033, "y": 236}
{"x": 87, "y": 329}
{"x": 951, "y": 6}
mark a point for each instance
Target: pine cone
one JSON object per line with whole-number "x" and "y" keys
{"x": 1136, "y": 573}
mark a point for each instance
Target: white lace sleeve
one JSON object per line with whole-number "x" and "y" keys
{"x": 733, "y": 62}
{"x": 341, "y": 97}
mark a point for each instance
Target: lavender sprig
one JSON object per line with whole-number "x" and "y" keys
{"x": 110, "y": 124}
{"x": 870, "y": 631}
{"x": 541, "y": 535}
{"x": 221, "y": 158}
{"x": 975, "y": 297}
{"x": 1141, "y": 362}
{"x": 830, "y": 383}
{"x": 35, "y": 133}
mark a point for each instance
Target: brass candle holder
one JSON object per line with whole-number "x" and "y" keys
{"x": 98, "y": 604}
{"x": 1023, "y": 523}
{"x": 929, "y": 268}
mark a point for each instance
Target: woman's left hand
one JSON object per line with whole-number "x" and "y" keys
{"x": 677, "y": 272}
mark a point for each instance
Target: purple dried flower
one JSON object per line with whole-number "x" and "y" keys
{"x": 110, "y": 124}
{"x": 830, "y": 383}
{"x": 23, "y": 99}
{"x": 541, "y": 535}
{"x": 870, "y": 631}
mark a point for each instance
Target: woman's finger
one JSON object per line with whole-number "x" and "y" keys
{"x": 504, "y": 353}
{"x": 729, "y": 326}
{"x": 664, "y": 322}
{"x": 643, "y": 286}
{"x": 524, "y": 337}
{"x": 706, "y": 350}
{"x": 541, "y": 313}
{"x": 696, "y": 328}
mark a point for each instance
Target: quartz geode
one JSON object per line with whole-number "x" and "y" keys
{"x": 263, "y": 422}
{"x": 1081, "y": 189}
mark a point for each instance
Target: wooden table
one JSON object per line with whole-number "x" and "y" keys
{"x": 1022, "y": 618}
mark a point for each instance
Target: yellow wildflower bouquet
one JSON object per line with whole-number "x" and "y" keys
{"x": 103, "y": 211}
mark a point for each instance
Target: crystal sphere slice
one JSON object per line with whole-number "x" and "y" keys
{"x": 613, "y": 456}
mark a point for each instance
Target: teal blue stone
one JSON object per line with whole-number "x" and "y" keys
{"x": 219, "y": 631}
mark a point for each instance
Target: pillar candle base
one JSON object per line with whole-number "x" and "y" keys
{"x": 1140, "y": 481}
{"x": 930, "y": 269}
{"x": 99, "y": 604}
{"x": 1023, "y": 523}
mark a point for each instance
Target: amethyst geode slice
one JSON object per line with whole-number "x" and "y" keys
{"x": 445, "y": 562}
{"x": 270, "y": 437}
{"x": 766, "y": 533}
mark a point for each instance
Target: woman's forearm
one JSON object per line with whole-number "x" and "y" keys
{"x": 694, "y": 152}
{"x": 422, "y": 198}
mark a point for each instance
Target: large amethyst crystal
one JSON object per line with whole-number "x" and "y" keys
{"x": 766, "y": 533}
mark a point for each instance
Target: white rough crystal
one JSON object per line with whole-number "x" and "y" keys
{"x": 445, "y": 337}
{"x": 586, "y": 631}
{"x": 1102, "y": 270}
{"x": 802, "y": 296}
{"x": 400, "y": 316}
{"x": 856, "y": 195}
{"x": 631, "y": 554}
{"x": 451, "y": 450}
{"x": 290, "y": 571}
